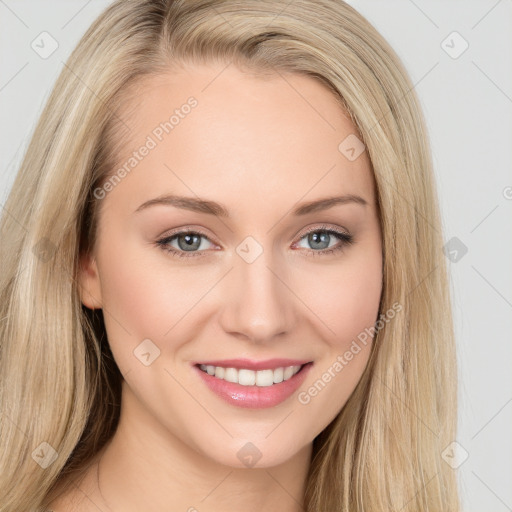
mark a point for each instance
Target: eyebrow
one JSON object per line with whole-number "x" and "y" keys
{"x": 214, "y": 208}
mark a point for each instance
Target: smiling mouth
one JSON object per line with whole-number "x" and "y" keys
{"x": 246, "y": 377}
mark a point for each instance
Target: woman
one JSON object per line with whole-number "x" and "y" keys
{"x": 175, "y": 333}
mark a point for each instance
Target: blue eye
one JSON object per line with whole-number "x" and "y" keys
{"x": 318, "y": 237}
{"x": 190, "y": 243}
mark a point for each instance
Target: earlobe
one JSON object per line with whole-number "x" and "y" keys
{"x": 89, "y": 286}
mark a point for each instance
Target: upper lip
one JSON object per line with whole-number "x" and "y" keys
{"x": 268, "y": 364}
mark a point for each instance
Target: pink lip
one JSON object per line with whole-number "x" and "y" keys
{"x": 254, "y": 397}
{"x": 269, "y": 364}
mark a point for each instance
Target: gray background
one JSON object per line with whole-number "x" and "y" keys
{"x": 468, "y": 105}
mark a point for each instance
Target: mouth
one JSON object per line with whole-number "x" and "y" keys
{"x": 251, "y": 384}
{"x": 247, "y": 377}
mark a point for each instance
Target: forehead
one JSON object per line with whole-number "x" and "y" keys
{"x": 277, "y": 134}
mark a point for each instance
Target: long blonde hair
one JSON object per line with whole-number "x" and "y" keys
{"x": 58, "y": 382}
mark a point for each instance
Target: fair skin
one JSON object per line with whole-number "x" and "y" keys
{"x": 260, "y": 147}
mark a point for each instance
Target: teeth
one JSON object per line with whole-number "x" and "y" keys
{"x": 288, "y": 372}
{"x": 246, "y": 377}
{"x": 265, "y": 377}
{"x": 231, "y": 374}
{"x": 278, "y": 375}
{"x": 261, "y": 378}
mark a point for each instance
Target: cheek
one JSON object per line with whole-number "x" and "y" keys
{"x": 349, "y": 305}
{"x": 346, "y": 297}
{"x": 148, "y": 296}
{"x": 140, "y": 301}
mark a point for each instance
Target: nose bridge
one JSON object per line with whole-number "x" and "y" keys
{"x": 260, "y": 306}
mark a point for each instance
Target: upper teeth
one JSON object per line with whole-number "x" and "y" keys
{"x": 251, "y": 377}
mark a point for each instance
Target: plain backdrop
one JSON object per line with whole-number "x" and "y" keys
{"x": 458, "y": 54}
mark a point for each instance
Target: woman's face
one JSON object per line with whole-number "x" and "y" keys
{"x": 271, "y": 277}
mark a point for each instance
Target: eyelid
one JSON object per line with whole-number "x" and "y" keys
{"x": 199, "y": 231}
{"x": 324, "y": 227}
{"x": 187, "y": 230}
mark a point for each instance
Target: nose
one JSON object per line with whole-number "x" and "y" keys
{"x": 259, "y": 306}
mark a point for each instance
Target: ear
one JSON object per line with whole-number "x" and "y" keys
{"x": 89, "y": 285}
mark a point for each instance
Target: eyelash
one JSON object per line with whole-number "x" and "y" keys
{"x": 345, "y": 240}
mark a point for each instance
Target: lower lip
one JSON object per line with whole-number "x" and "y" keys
{"x": 254, "y": 397}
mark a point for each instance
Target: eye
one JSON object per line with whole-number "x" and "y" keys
{"x": 321, "y": 238}
{"x": 185, "y": 242}
{"x": 188, "y": 243}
